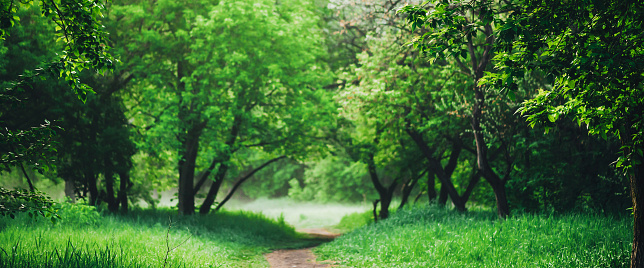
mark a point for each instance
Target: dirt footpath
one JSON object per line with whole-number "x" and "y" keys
{"x": 300, "y": 258}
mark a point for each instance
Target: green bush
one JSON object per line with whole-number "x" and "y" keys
{"x": 334, "y": 179}
{"x": 353, "y": 221}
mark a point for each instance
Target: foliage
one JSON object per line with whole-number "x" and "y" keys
{"x": 333, "y": 179}
{"x": 206, "y": 98}
{"x": 13, "y": 202}
{"x": 435, "y": 237}
{"x": 596, "y": 63}
{"x": 27, "y": 132}
{"x": 33, "y": 146}
{"x": 78, "y": 214}
{"x": 79, "y": 29}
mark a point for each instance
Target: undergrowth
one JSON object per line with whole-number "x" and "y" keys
{"x": 85, "y": 238}
{"x": 436, "y": 237}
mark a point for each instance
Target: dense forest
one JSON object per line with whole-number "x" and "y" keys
{"x": 519, "y": 106}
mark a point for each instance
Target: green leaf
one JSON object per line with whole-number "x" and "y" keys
{"x": 512, "y": 96}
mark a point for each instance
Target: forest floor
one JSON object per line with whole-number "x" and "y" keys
{"x": 301, "y": 258}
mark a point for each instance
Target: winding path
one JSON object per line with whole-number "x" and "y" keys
{"x": 300, "y": 258}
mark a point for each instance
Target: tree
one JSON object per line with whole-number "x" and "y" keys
{"x": 226, "y": 77}
{"x": 464, "y": 31}
{"x": 83, "y": 48}
{"x": 594, "y": 52}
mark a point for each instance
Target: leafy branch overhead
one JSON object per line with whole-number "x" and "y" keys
{"x": 23, "y": 201}
{"x": 80, "y": 31}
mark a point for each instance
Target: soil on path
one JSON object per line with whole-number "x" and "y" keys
{"x": 300, "y": 258}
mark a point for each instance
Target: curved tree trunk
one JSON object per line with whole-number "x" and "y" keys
{"x": 444, "y": 176}
{"x": 243, "y": 179}
{"x": 497, "y": 184}
{"x": 385, "y": 193}
{"x": 214, "y": 189}
{"x": 223, "y": 168}
{"x": 408, "y": 187}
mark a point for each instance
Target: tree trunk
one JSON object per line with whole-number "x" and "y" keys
{"x": 112, "y": 202}
{"x": 502, "y": 207}
{"x": 93, "y": 190}
{"x": 24, "y": 172}
{"x": 384, "y": 193}
{"x": 123, "y": 187}
{"x": 431, "y": 188}
{"x": 385, "y": 201}
{"x": 406, "y": 191}
{"x": 636, "y": 179}
{"x": 375, "y": 210}
{"x": 637, "y": 187}
{"x": 442, "y": 196}
{"x": 187, "y": 165}
{"x": 214, "y": 189}
{"x": 435, "y": 165}
{"x": 186, "y": 176}
{"x": 223, "y": 168}
{"x": 408, "y": 187}
{"x": 70, "y": 190}
{"x": 483, "y": 165}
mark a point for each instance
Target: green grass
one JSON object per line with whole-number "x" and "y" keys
{"x": 354, "y": 221}
{"x": 84, "y": 238}
{"x": 435, "y": 237}
{"x": 300, "y": 214}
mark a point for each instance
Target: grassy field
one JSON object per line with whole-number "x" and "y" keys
{"x": 299, "y": 214}
{"x": 435, "y": 237}
{"x": 84, "y": 238}
{"x": 417, "y": 237}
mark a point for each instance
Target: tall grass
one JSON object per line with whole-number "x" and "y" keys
{"x": 435, "y": 237}
{"x": 84, "y": 238}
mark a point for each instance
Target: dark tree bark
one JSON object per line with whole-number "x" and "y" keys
{"x": 112, "y": 202}
{"x": 214, "y": 189}
{"x": 435, "y": 165}
{"x": 408, "y": 187}
{"x": 431, "y": 188}
{"x": 385, "y": 193}
{"x": 123, "y": 189}
{"x": 375, "y": 210}
{"x": 444, "y": 174}
{"x": 187, "y": 165}
{"x": 205, "y": 174}
{"x": 483, "y": 164}
{"x": 223, "y": 169}
{"x": 24, "y": 172}
{"x": 636, "y": 180}
{"x": 442, "y": 196}
{"x": 90, "y": 180}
